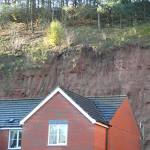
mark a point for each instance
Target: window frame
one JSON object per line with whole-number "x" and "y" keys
{"x": 17, "y": 142}
{"x": 58, "y": 125}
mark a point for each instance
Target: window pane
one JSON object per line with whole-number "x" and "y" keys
{"x": 53, "y": 134}
{"x": 63, "y": 133}
{"x": 20, "y": 134}
{"x": 15, "y": 139}
{"x": 13, "y": 134}
{"x": 13, "y": 143}
{"x": 19, "y": 143}
{"x": 19, "y": 138}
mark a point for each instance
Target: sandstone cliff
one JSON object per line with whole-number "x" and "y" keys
{"x": 124, "y": 71}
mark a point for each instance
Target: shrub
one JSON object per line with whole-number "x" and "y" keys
{"x": 18, "y": 13}
{"x": 4, "y": 15}
{"x": 55, "y": 34}
{"x": 12, "y": 13}
{"x": 81, "y": 15}
{"x": 70, "y": 38}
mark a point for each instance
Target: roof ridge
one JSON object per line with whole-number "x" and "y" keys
{"x": 103, "y": 96}
{"x": 85, "y": 98}
{"x": 72, "y": 92}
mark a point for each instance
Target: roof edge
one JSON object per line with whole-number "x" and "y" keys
{"x": 39, "y": 106}
{"x": 56, "y": 90}
{"x": 13, "y": 128}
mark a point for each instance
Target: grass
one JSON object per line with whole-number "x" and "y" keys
{"x": 110, "y": 37}
{"x": 20, "y": 42}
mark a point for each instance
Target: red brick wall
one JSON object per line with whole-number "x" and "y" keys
{"x": 4, "y": 134}
{"x": 80, "y": 130}
{"x": 100, "y": 138}
{"x": 124, "y": 133}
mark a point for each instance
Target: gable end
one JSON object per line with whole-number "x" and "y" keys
{"x": 59, "y": 90}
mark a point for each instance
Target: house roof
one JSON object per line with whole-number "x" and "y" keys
{"x": 12, "y": 111}
{"x": 108, "y": 105}
{"x": 88, "y": 106}
{"x": 96, "y": 109}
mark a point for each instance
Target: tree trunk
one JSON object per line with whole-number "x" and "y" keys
{"x": 49, "y": 10}
{"x": 120, "y": 20}
{"x": 62, "y": 12}
{"x": 135, "y": 18}
{"x": 38, "y": 3}
{"x": 99, "y": 21}
{"x": 28, "y": 14}
{"x": 53, "y": 11}
{"x": 32, "y": 15}
{"x": 94, "y": 3}
{"x": 75, "y": 3}
{"x": 144, "y": 11}
{"x": 66, "y": 2}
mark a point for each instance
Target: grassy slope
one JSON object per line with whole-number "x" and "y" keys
{"x": 28, "y": 48}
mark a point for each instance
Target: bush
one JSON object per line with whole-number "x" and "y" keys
{"x": 70, "y": 38}
{"x": 12, "y": 13}
{"x": 4, "y": 15}
{"x": 55, "y": 34}
{"x": 81, "y": 15}
{"x": 18, "y": 13}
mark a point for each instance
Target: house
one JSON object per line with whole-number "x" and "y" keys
{"x": 65, "y": 120}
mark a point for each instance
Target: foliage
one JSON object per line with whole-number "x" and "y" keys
{"x": 81, "y": 15}
{"x": 70, "y": 38}
{"x": 13, "y": 13}
{"x": 18, "y": 13}
{"x": 4, "y": 15}
{"x": 39, "y": 13}
{"x": 100, "y": 10}
{"x": 43, "y": 18}
{"x": 36, "y": 53}
{"x": 55, "y": 34}
{"x": 33, "y": 51}
{"x": 111, "y": 37}
{"x": 9, "y": 63}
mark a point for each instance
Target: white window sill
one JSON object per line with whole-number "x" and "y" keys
{"x": 14, "y": 148}
{"x": 57, "y": 144}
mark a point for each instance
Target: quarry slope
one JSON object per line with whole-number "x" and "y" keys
{"x": 121, "y": 71}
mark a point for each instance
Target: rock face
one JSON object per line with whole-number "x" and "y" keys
{"x": 124, "y": 71}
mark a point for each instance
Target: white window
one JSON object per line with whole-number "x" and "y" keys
{"x": 14, "y": 139}
{"x": 57, "y": 133}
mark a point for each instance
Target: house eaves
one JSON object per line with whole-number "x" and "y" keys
{"x": 67, "y": 97}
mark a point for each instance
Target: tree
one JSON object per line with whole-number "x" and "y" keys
{"x": 100, "y": 10}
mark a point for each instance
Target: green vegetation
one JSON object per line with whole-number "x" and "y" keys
{"x": 112, "y": 37}
{"x": 107, "y": 13}
{"x": 55, "y": 34}
{"x": 29, "y": 30}
{"x": 24, "y": 49}
{"x": 31, "y": 43}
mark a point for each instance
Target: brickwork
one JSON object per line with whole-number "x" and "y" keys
{"x": 124, "y": 133}
{"x": 4, "y": 134}
{"x": 80, "y": 129}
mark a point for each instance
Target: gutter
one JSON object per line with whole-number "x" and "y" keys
{"x": 9, "y": 128}
{"x": 107, "y": 138}
{"x": 101, "y": 124}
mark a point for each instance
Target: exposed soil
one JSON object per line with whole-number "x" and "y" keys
{"x": 124, "y": 71}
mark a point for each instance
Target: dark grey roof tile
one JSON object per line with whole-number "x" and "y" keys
{"x": 102, "y": 109}
{"x": 87, "y": 105}
{"x": 108, "y": 104}
{"x": 12, "y": 111}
